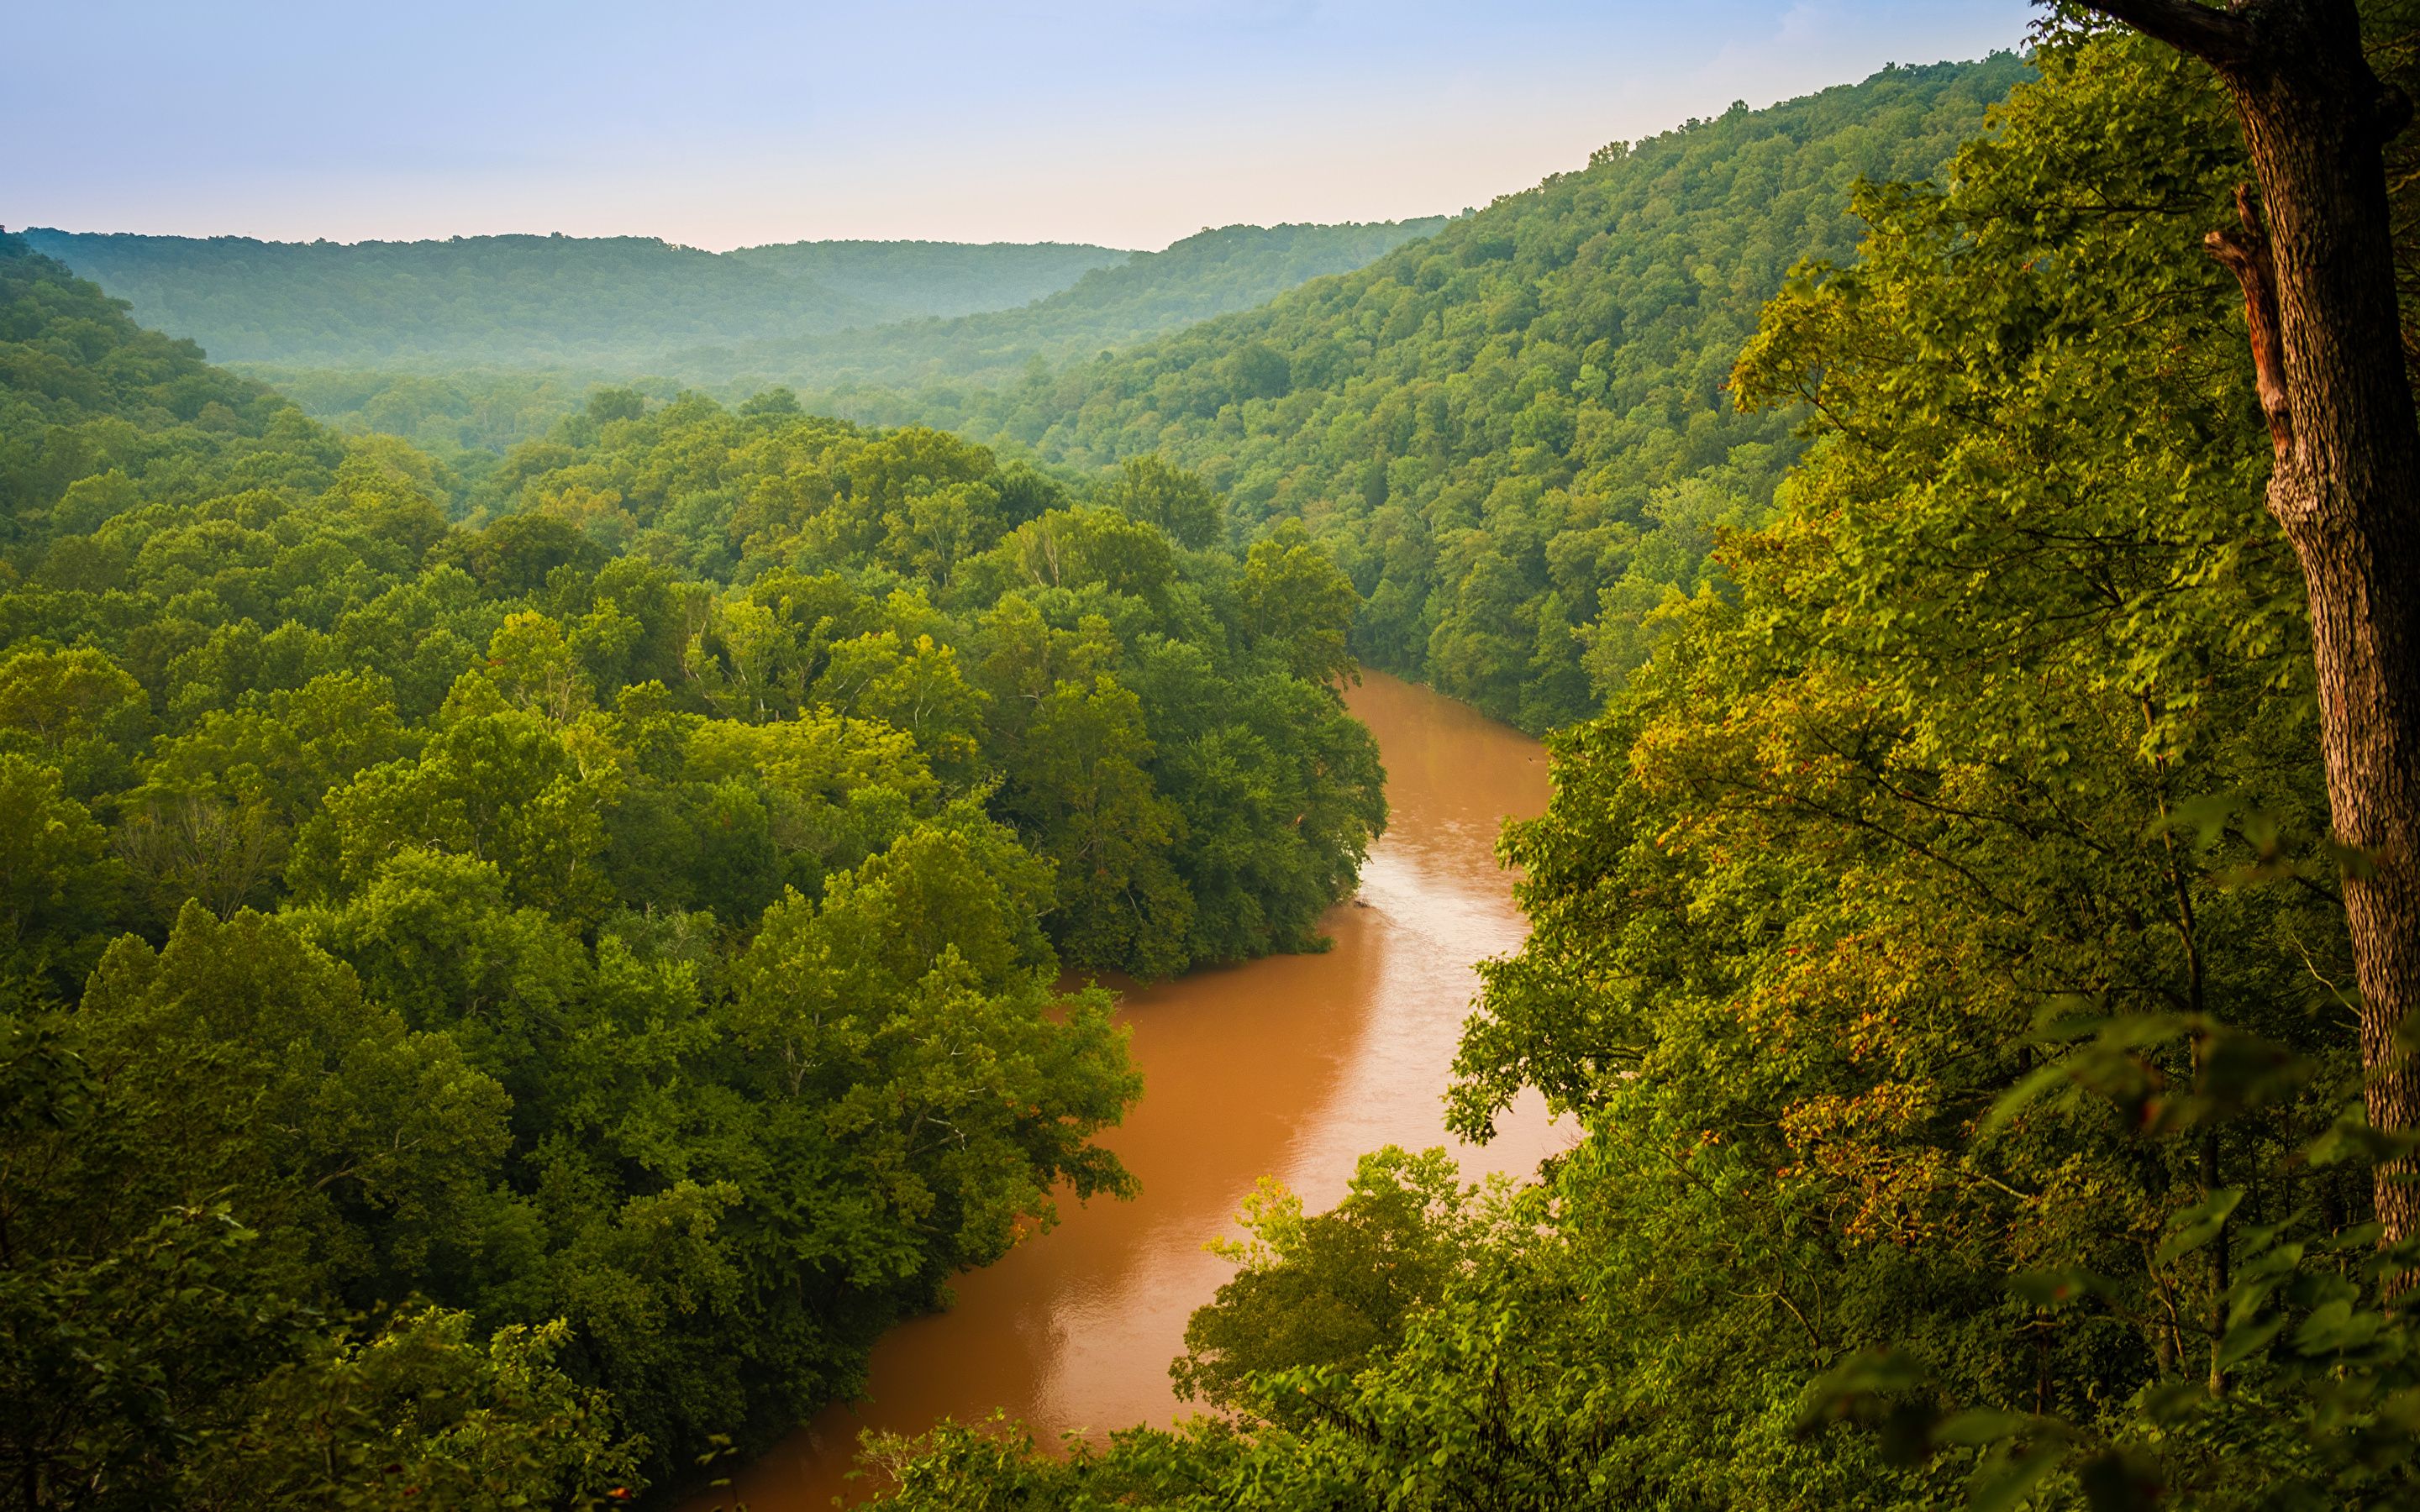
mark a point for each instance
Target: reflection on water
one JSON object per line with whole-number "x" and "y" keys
{"x": 1292, "y": 1065}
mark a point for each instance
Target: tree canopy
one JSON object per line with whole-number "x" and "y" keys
{"x": 545, "y": 969}
{"x": 1514, "y": 434}
{"x": 1939, "y": 938}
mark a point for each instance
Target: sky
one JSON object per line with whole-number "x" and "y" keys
{"x": 723, "y": 123}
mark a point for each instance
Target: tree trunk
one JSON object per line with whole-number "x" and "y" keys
{"x": 2318, "y": 283}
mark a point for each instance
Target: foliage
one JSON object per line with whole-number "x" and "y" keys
{"x": 1937, "y": 938}
{"x": 467, "y": 301}
{"x": 907, "y": 280}
{"x": 1209, "y": 273}
{"x": 467, "y": 346}
{"x": 497, "y": 1006}
{"x": 1512, "y": 434}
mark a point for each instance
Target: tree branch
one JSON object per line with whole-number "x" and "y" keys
{"x": 2223, "y": 39}
{"x": 2245, "y": 253}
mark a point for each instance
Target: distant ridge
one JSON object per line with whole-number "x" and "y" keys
{"x": 635, "y": 305}
{"x": 502, "y": 300}
{"x": 1515, "y": 434}
{"x": 1144, "y": 294}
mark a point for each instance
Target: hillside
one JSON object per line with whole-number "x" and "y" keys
{"x": 479, "y": 867}
{"x": 1515, "y": 433}
{"x": 580, "y": 309}
{"x": 1211, "y": 274}
{"x": 517, "y": 301}
{"x": 914, "y": 280}
{"x": 1939, "y": 945}
{"x": 617, "y": 305}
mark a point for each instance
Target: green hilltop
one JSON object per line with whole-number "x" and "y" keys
{"x": 1513, "y": 433}
{"x": 1210, "y": 273}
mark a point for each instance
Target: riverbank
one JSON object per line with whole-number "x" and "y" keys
{"x": 1291, "y": 1066}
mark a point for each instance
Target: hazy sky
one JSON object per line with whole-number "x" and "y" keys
{"x": 722, "y": 123}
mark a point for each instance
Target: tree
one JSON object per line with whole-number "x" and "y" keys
{"x": 498, "y": 784}
{"x": 1178, "y": 501}
{"x": 157, "y": 1348}
{"x": 1331, "y": 1288}
{"x": 1082, "y": 793}
{"x": 322, "y": 1112}
{"x": 1299, "y": 601}
{"x": 57, "y": 885}
{"x": 77, "y": 709}
{"x": 2315, "y": 258}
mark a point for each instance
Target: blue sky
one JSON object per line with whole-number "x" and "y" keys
{"x": 721, "y": 124}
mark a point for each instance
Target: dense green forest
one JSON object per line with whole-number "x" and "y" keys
{"x": 1514, "y": 434}
{"x": 1211, "y": 274}
{"x": 586, "y": 302}
{"x": 1939, "y": 937}
{"x": 908, "y": 280}
{"x": 500, "y": 343}
{"x": 466, "y": 421}
{"x": 569, "y": 311}
{"x": 503, "y": 984}
{"x": 519, "y": 957}
{"x": 467, "y": 418}
{"x": 472, "y": 301}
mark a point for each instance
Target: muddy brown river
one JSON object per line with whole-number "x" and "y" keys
{"x": 1289, "y": 1067}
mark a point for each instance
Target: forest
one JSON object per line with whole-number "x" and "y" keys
{"x": 1940, "y": 934}
{"x": 506, "y": 311}
{"x": 536, "y": 979}
{"x": 469, "y": 418}
{"x": 1514, "y": 434}
{"x": 467, "y": 302}
{"x": 537, "y": 924}
{"x": 1210, "y": 273}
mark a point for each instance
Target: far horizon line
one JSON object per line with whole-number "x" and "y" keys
{"x": 725, "y": 252}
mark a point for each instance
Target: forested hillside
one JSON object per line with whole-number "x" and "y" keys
{"x": 1514, "y": 434}
{"x": 908, "y": 280}
{"x": 500, "y": 985}
{"x": 1208, "y": 274}
{"x": 1940, "y": 938}
{"x": 491, "y": 317}
{"x": 472, "y": 301}
{"x": 614, "y": 306}
{"x": 467, "y": 420}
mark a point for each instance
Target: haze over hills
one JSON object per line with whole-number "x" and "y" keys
{"x": 519, "y": 301}
{"x": 1509, "y": 427}
{"x": 913, "y": 279}
{"x": 1232, "y": 268}
{"x": 1514, "y": 434}
{"x": 816, "y": 313}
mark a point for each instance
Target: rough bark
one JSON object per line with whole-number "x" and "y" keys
{"x": 2317, "y": 267}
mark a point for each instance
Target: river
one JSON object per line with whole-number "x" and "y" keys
{"x": 1291, "y": 1066}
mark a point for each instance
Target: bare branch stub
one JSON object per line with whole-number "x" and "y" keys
{"x": 2245, "y": 250}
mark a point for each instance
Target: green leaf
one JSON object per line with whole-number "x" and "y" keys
{"x": 1855, "y": 1381}
{"x": 2170, "y": 1401}
{"x": 2004, "y": 1486}
{"x": 1981, "y": 1424}
{"x": 2199, "y": 1223}
{"x": 2015, "y": 1099}
{"x": 2056, "y": 1289}
{"x": 2334, "y": 1325}
{"x": 2245, "y": 1340}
